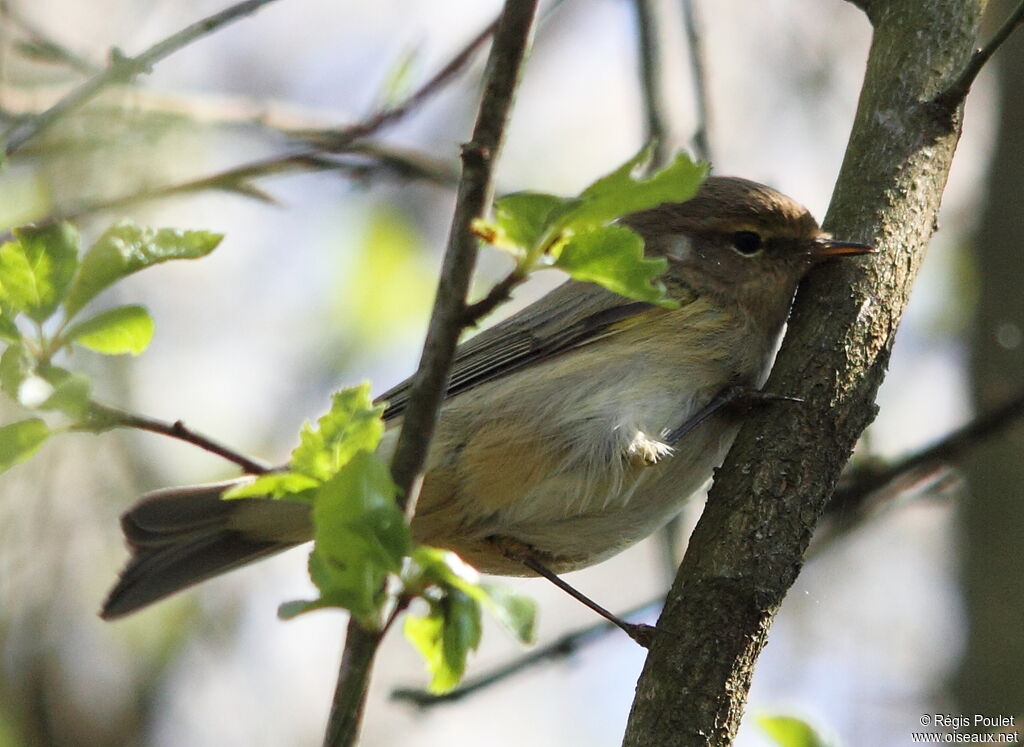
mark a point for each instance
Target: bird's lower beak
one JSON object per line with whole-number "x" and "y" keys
{"x": 825, "y": 247}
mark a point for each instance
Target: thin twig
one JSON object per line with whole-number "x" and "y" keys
{"x": 374, "y": 158}
{"x": 337, "y": 141}
{"x": 698, "y": 70}
{"x": 561, "y": 648}
{"x": 121, "y": 69}
{"x": 333, "y": 140}
{"x": 109, "y": 417}
{"x": 497, "y": 295}
{"x": 648, "y": 50}
{"x": 917, "y": 467}
{"x": 46, "y": 44}
{"x": 501, "y": 78}
{"x": 954, "y": 94}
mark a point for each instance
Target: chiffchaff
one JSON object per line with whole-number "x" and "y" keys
{"x": 572, "y": 429}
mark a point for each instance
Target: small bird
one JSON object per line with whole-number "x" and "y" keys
{"x": 571, "y": 430}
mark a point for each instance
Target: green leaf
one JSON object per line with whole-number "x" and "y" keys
{"x": 517, "y": 613}
{"x": 788, "y": 731}
{"x": 445, "y": 636}
{"x": 125, "y": 329}
{"x": 13, "y": 369}
{"x": 622, "y": 192}
{"x": 353, "y": 424}
{"x": 360, "y": 537}
{"x": 446, "y": 570}
{"x": 523, "y": 219}
{"x": 36, "y": 268}
{"x": 19, "y": 441}
{"x": 9, "y": 331}
{"x": 126, "y": 248}
{"x": 275, "y": 485}
{"x": 613, "y": 257}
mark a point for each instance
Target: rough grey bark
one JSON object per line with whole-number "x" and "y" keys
{"x": 990, "y": 680}
{"x": 748, "y": 547}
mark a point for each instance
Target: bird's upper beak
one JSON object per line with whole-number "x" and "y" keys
{"x": 824, "y": 247}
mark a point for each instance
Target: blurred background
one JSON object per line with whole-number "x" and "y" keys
{"x": 325, "y": 278}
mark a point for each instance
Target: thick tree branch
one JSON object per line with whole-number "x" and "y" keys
{"x": 121, "y": 69}
{"x": 504, "y": 67}
{"x": 748, "y": 546}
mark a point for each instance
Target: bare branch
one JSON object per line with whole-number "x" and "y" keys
{"x": 504, "y": 67}
{"x": 648, "y": 50}
{"x": 121, "y": 69}
{"x": 333, "y": 140}
{"x": 108, "y": 417}
{"x": 955, "y": 94}
{"x": 363, "y": 161}
{"x": 698, "y": 71}
{"x": 895, "y": 478}
{"x": 497, "y": 295}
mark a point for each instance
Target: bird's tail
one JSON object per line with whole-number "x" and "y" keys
{"x": 181, "y": 536}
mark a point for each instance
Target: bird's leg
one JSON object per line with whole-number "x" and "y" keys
{"x": 735, "y": 397}
{"x": 513, "y": 550}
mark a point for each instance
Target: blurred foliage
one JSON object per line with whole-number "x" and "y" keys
{"x": 789, "y": 731}
{"x": 388, "y": 282}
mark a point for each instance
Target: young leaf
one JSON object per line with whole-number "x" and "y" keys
{"x": 126, "y": 248}
{"x": 620, "y": 192}
{"x": 124, "y": 329}
{"x": 613, "y": 257}
{"x": 360, "y": 537}
{"x": 36, "y": 268}
{"x": 788, "y": 731}
{"x": 445, "y": 636}
{"x": 447, "y": 571}
{"x": 522, "y": 219}
{"x": 19, "y": 441}
{"x": 353, "y": 424}
{"x": 275, "y": 485}
{"x": 517, "y": 613}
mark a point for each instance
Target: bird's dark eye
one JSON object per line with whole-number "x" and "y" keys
{"x": 747, "y": 242}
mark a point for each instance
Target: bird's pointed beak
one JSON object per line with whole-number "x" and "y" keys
{"x": 824, "y": 247}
